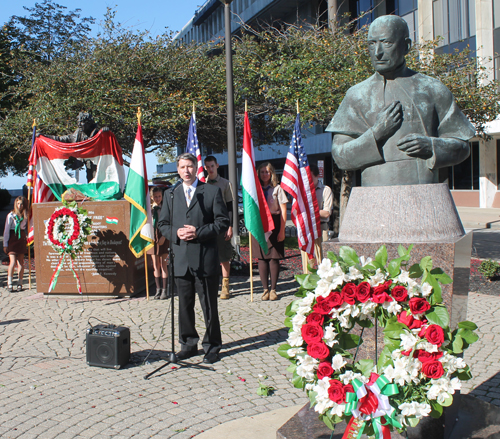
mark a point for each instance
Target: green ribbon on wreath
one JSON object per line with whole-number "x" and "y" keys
{"x": 382, "y": 415}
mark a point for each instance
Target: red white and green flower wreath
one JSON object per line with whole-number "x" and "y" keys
{"x": 420, "y": 366}
{"x": 66, "y": 231}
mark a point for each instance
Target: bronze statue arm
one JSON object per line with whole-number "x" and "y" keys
{"x": 356, "y": 153}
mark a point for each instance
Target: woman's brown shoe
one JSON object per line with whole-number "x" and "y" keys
{"x": 265, "y": 296}
{"x": 273, "y": 295}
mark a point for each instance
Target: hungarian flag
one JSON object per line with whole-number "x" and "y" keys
{"x": 193, "y": 147}
{"x": 48, "y": 156}
{"x": 258, "y": 219}
{"x": 297, "y": 181}
{"x": 141, "y": 236}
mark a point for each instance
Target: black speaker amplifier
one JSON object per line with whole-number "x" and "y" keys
{"x": 108, "y": 346}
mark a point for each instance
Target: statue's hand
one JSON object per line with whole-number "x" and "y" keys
{"x": 105, "y": 129}
{"x": 416, "y": 146}
{"x": 388, "y": 121}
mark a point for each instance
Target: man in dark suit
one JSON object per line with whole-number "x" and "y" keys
{"x": 199, "y": 216}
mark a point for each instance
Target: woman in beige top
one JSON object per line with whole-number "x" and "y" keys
{"x": 269, "y": 263}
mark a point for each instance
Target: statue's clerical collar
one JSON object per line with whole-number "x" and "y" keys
{"x": 400, "y": 71}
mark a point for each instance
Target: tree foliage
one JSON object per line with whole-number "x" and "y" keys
{"x": 120, "y": 70}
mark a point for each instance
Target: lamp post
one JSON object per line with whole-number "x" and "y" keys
{"x": 231, "y": 137}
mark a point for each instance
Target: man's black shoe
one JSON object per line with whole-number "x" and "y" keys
{"x": 211, "y": 358}
{"x": 184, "y": 354}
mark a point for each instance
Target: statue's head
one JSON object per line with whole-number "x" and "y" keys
{"x": 388, "y": 43}
{"x": 86, "y": 122}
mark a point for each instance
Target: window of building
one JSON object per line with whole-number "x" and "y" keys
{"x": 496, "y": 13}
{"x": 465, "y": 175}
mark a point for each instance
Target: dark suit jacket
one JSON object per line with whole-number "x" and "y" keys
{"x": 208, "y": 213}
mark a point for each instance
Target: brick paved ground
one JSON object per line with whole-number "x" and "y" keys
{"x": 48, "y": 390}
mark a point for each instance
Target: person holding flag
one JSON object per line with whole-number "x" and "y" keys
{"x": 298, "y": 182}
{"x": 269, "y": 262}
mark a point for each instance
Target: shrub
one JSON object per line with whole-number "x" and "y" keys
{"x": 489, "y": 268}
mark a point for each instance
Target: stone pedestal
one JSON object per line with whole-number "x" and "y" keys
{"x": 105, "y": 267}
{"x": 423, "y": 215}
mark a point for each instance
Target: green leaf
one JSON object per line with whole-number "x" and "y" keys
{"x": 457, "y": 345}
{"x": 437, "y": 409}
{"x": 401, "y": 250}
{"x": 292, "y": 308}
{"x": 365, "y": 367}
{"x": 348, "y": 255}
{"x": 349, "y": 341}
{"x": 441, "y": 276}
{"x": 300, "y": 278}
{"x": 469, "y": 336}
{"x": 438, "y": 315}
{"x": 311, "y": 281}
{"x": 288, "y": 322}
{"x": 312, "y": 398}
{"x": 394, "y": 267}
{"x": 297, "y": 381}
{"x": 426, "y": 263}
{"x": 291, "y": 368}
{"x": 464, "y": 374}
{"x": 413, "y": 421}
{"x": 467, "y": 325}
{"x": 385, "y": 358}
{"x": 448, "y": 401}
{"x": 392, "y": 343}
{"x": 436, "y": 289}
{"x": 381, "y": 256}
{"x": 394, "y": 330}
{"x": 282, "y": 350}
{"x": 327, "y": 421}
{"x": 332, "y": 256}
{"x": 415, "y": 271}
{"x": 367, "y": 323}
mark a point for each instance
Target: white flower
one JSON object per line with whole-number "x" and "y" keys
{"x": 377, "y": 279}
{"x": 408, "y": 341}
{"x": 452, "y": 363}
{"x": 345, "y": 322}
{"x": 307, "y": 366}
{"x": 392, "y": 307}
{"x": 428, "y": 347}
{"x": 329, "y": 335}
{"x": 354, "y": 274}
{"x": 323, "y": 288}
{"x": 339, "y": 276}
{"x": 325, "y": 269}
{"x": 338, "y": 362}
{"x": 364, "y": 261}
{"x": 415, "y": 409}
{"x": 349, "y": 375}
{"x": 426, "y": 289}
{"x": 404, "y": 277}
{"x": 443, "y": 388}
{"x": 338, "y": 409}
{"x": 323, "y": 401}
{"x": 367, "y": 309}
{"x": 298, "y": 320}
{"x": 295, "y": 338}
{"x": 292, "y": 352}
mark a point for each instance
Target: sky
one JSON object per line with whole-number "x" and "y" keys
{"x": 150, "y": 15}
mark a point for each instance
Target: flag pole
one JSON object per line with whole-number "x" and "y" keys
{"x": 298, "y": 107}
{"x": 29, "y": 206}
{"x": 139, "y": 115}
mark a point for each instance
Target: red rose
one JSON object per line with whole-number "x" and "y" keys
{"x": 435, "y": 335}
{"x": 406, "y": 319}
{"x": 315, "y": 317}
{"x": 335, "y": 299}
{"x": 336, "y": 391}
{"x": 419, "y": 323}
{"x": 400, "y": 293}
{"x": 312, "y": 333}
{"x": 318, "y": 350}
{"x": 349, "y": 292}
{"x": 424, "y": 356}
{"x": 406, "y": 353}
{"x": 363, "y": 292}
{"x": 348, "y": 388}
{"x": 322, "y": 306}
{"x": 325, "y": 369}
{"x": 382, "y": 287}
{"x": 380, "y": 297}
{"x": 433, "y": 369}
{"x": 419, "y": 305}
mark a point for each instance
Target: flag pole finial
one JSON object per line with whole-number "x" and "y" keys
{"x": 139, "y": 115}
{"x": 246, "y": 106}
{"x": 298, "y": 107}
{"x": 193, "y": 106}
{"x": 34, "y": 123}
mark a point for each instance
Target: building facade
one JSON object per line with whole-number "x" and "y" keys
{"x": 459, "y": 23}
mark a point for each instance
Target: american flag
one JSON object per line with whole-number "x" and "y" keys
{"x": 297, "y": 181}
{"x": 193, "y": 147}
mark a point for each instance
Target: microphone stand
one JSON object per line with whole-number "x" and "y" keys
{"x": 172, "y": 358}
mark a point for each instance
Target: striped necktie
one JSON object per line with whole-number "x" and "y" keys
{"x": 188, "y": 195}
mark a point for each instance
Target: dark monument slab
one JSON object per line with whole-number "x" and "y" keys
{"x": 105, "y": 267}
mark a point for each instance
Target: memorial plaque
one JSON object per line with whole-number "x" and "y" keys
{"x": 105, "y": 267}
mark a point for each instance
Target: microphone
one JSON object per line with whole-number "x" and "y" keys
{"x": 176, "y": 185}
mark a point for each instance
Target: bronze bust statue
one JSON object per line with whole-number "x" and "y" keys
{"x": 398, "y": 126}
